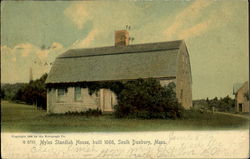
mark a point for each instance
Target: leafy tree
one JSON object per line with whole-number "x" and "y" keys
{"x": 148, "y": 99}
{"x": 10, "y": 90}
{"x": 2, "y": 94}
{"x": 225, "y": 104}
{"x": 33, "y": 93}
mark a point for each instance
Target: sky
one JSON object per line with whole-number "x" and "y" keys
{"x": 34, "y": 33}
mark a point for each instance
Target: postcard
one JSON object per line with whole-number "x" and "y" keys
{"x": 124, "y": 79}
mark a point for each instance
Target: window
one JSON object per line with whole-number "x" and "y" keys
{"x": 61, "y": 93}
{"x": 78, "y": 96}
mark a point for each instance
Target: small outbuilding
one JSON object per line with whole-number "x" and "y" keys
{"x": 166, "y": 61}
{"x": 241, "y": 92}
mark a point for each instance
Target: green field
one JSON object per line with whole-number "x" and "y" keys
{"x": 26, "y": 118}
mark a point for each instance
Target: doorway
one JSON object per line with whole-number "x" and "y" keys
{"x": 108, "y": 100}
{"x": 240, "y": 107}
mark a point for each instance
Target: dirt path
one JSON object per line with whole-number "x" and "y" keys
{"x": 236, "y": 115}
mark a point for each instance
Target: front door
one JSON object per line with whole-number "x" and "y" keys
{"x": 107, "y": 100}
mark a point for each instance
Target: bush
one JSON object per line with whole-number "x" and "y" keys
{"x": 89, "y": 112}
{"x": 147, "y": 99}
{"x": 93, "y": 112}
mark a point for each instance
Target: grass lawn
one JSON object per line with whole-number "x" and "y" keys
{"x": 26, "y": 118}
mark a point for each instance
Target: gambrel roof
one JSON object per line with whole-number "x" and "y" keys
{"x": 154, "y": 60}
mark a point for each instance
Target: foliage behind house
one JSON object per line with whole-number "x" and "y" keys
{"x": 33, "y": 93}
{"x": 225, "y": 104}
{"x": 8, "y": 91}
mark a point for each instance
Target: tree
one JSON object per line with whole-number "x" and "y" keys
{"x": 10, "y": 90}
{"x": 148, "y": 99}
{"x": 225, "y": 104}
{"x": 2, "y": 94}
{"x": 33, "y": 93}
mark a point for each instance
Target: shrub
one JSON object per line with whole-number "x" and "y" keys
{"x": 89, "y": 112}
{"x": 147, "y": 99}
{"x": 93, "y": 112}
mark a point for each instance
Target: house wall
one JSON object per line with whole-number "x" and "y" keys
{"x": 184, "y": 79}
{"x": 94, "y": 101}
{"x": 241, "y": 98}
{"x": 69, "y": 104}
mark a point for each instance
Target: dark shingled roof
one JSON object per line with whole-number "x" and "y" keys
{"x": 116, "y": 63}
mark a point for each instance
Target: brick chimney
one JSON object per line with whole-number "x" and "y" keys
{"x": 121, "y": 38}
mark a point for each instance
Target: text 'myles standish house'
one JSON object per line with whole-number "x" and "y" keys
{"x": 166, "y": 61}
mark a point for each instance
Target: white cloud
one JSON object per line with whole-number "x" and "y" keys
{"x": 187, "y": 24}
{"x": 5, "y": 50}
{"x": 187, "y": 17}
{"x": 25, "y": 49}
{"x": 42, "y": 54}
{"x": 195, "y": 30}
{"x": 8, "y": 53}
{"x": 217, "y": 18}
{"x": 86, "y": 41}
{"x": 104, "y": 17}
{"x": 16, "y": 61}
{"x": 102, "y": 14}
{"x": 56, "y": 45}
{"x": 78, "y": 13}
